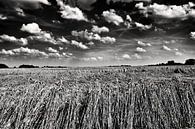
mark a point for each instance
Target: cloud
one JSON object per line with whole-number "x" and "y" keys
{"x": 2, "y": 17}
{"x": 61, "y": 48}
{"x": 99, "y": 58}
{"x": 32, "y": 28}
{"x": 21, "y": 41}
{"x": 168, "y": 11}
{"x": 137, "y": 56}
{"x": 112, "y": 17}
{"x": 63, "y": 40}
{"x": 39, "y": 35}
{"x": 35, "y": 1}
{"x": 92, "y": 36}
{"x": 68, "y": 12}
{"x": 99, "y": 30}
{"x": 126, "y": 56}
{"x": 166, "y": 48}
{"x": 192, "y": 34}
{"x": 143, "y": 27}
{"x": 79, "y": 45}
{"x": 44, "y": 37}
{"x": 50, "y": 49}
{"x": 33, "y": 53}
{"x": 24, "y": 51}
{"x": 139, "y": 49}
{"x": 108, "y": 39}
{"x": 143, "y": 44}
{"x": 178, "y": 54}
{"x": 19, "y": 11}
{"x": 26, "y": 4}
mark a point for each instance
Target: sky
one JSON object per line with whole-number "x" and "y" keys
{"x": 69, "y": 33}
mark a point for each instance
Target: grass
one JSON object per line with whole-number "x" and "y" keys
{"x": 98, "y": 98}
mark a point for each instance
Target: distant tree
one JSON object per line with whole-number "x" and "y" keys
{"x": 3, "y": 66}
{"x": 172, "y": 62}
{"x": 28, "y": 66}
{"x": 190, "y": 62}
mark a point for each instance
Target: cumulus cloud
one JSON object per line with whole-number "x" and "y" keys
{"x": 20, "y": 12}
{"x": 137, "y": 56}
{"x": 92, "y": 36}
{"x": 178, "y": 54}
{"x": 33, "y": 53}
{"x": 2, "y": 17}
{"x": 168, "y": 11}
{"x": 32, "y": 28}
{"x": 126, "y": 56}
{"x": 108, "y": 39}
{"x": 44, "y": 37}
{"x": 39, "y": 35}
{"x": 79, "y": 44}
{"x": 142, "y": 27}
{"x": 166, "y": 48}
{"x": 99, "y": 30}
{"x": 24, "y": 51}
{"x": 143, "y": 44}
{"x": 50, "y": 49}
{"x": 192, "y": 34}
{"x": 99, "y": 58}
{"x": 63, "y": 40}
{"x": 139, "y": 49}
{"x": 20, "y": 41}
{"x": 112, "y": 17}
{"x": 68, "y": 12}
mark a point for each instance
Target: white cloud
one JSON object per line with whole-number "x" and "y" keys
{"x": 50, "y": 49}
{"x": 33, "y": 53}
{"x": 166, "y": 48}
{"x": 40, "y": 35}
{"x": 143, "y": 44}
{"x": 143, "y": 27}
{"x": 99, "y": 58}
{"x": 23, "y": 51}
{"x": 44, "y": 37}
{"x": 39, "y": 1}
{"x": 86, "y": 35}
{"x": 108, "y": 39}
{"x": 68, "y": 12}
{"x": 192, "y": 34}
{"x": 126, "y": 56}
{"x": 169, "y": 11}
{"x": 91, "y": 36}
{"x": 63, "y": 40}
{"x": 137, "y": 56}
{"x": 61, "y": 48}
{"x": 178, "y": 54}
{"x": 139, "y": 49}
{"x": 112, "y": 17}
{"x": 2, "y": 17}
{"x": 19, "y": 11}
{"x": 99, "y": 30}
{"x": 79, "y": 44}
{"x": 21, "y": 41}
{"x": 32, "y": 28}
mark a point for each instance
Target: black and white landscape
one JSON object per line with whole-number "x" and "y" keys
{"x": 96, "y": 33}
{"x": 97, "y": 64}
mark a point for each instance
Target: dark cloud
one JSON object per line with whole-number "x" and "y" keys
{"x": 27, "y": 4}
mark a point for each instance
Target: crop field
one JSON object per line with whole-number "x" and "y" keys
{"x": 147, "y": 97}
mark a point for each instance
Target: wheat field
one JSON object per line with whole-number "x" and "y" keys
{"x": 98, "y": 98}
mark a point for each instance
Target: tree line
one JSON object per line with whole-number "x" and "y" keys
{"x": 169, "y": 63}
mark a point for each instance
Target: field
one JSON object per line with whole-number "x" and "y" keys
{"x": 98, "y": 98}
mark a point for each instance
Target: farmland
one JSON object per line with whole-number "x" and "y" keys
{"x": 144, "y": 97}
